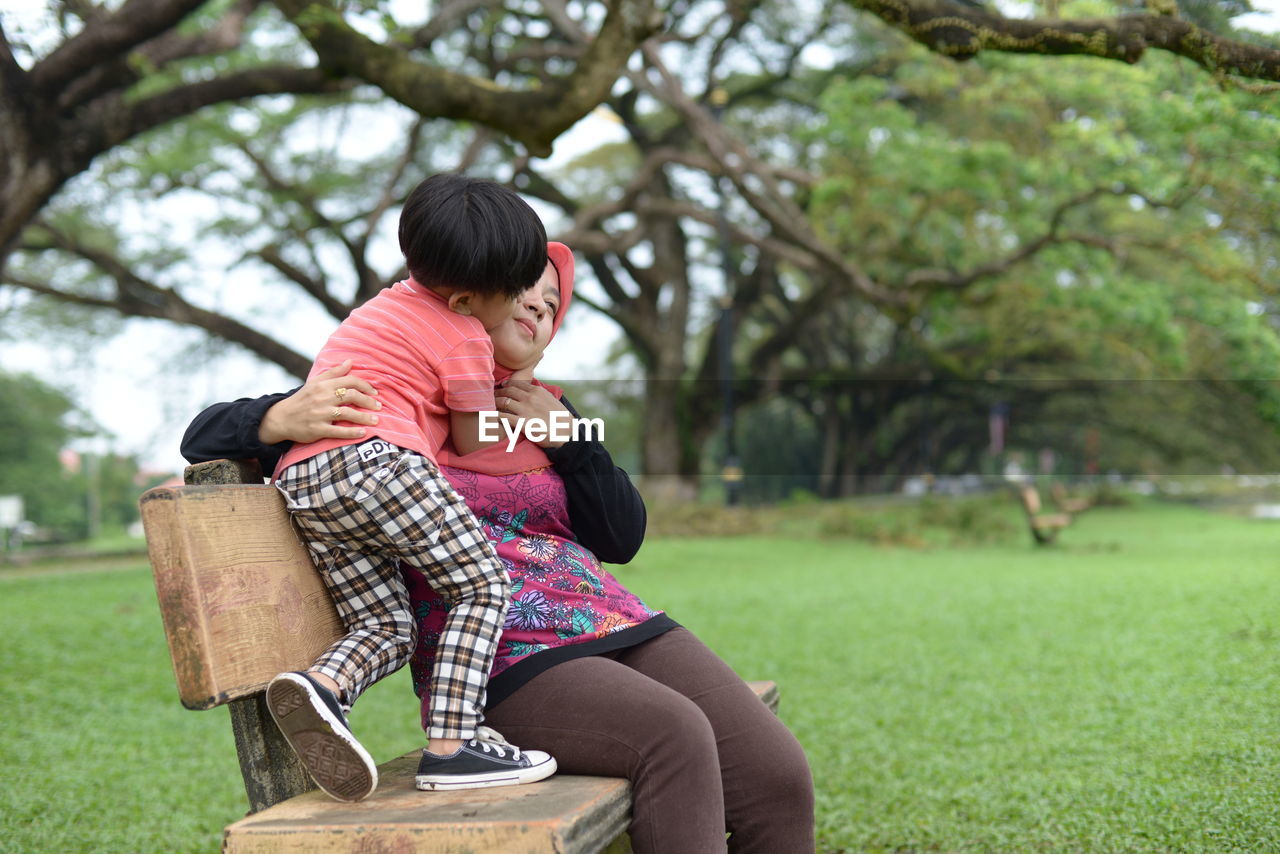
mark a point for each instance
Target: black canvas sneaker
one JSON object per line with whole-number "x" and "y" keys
{"x": 312, "y": 721}
{"x": 486, "y": 760}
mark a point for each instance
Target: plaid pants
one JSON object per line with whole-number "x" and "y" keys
{"x": 364, "y": 509}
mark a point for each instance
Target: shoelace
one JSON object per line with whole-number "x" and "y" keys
{"x": 487, "y": 739}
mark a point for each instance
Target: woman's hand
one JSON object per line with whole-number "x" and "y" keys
{"x": 523, "y": 399}
{"x": 310, "y": 413}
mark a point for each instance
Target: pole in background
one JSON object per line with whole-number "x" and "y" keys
{"x": 731, "y": 473}
{"x": 731, "y": 470}
{"x": 11, "y": 515}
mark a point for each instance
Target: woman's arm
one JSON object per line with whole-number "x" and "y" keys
{"x": 230, "y": 430}
{"x": 605, "y": 508}
{"x": 263, "y": 428}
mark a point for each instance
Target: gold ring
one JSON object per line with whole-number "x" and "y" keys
{"x": 339, "y": 393}
{"x": 335, "y": 415}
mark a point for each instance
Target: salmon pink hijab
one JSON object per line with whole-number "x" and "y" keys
{"x": 525, "y": 456}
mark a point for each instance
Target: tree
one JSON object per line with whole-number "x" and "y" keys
{"x": 1115, "y": 269}
{"x": 32, "y": 435}
{"x": 646, "y": 214}
{"x": 114, "y": 74}
{"x": 838, "y": 276}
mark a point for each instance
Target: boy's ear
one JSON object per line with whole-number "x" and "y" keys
{"x": 460, "y": 303}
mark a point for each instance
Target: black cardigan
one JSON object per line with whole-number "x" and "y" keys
{"x": 605, "y": 509}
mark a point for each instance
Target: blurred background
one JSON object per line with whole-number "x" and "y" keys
{"x": 946, "y": 332}
{"x": 815, "y": 257}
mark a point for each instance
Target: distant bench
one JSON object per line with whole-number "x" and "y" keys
{"x": 242, "y": 602}
{"x": 1045, "y": 526}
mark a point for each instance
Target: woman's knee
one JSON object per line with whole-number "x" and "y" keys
{"x": 778, "y": 775}
{"x": 670, "y": 732}
{"x": 791, "y": 781}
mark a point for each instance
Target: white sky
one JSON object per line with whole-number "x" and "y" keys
{"x": 130, "y": 387}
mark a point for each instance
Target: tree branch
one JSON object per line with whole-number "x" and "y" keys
{"x": 534, "y": 117}
{"x": 743, "y": 168}
{"x": 620, "y": 315}
{"x": 371, "y": 281}
{"x": 184, "y": 100}
{"x": 14, "y": 83}
{"x": 225, "y": 35}
{"x": 961, "y": 31}
{"x": 120, "y": 73}
{"x": 932, "y": 279}
{"x": 8, "y": 62}
{"x": 307, "y": 203}
{"x": 114, "y": 35}
{"x": 136, "y": 297}
{"x": 314, "y": 288}
{"x": 558, "y": 13}
{"x": 448, "y": 16}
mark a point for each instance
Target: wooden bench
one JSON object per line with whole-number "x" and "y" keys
{"x": 1067, "y": 503}
{"x": 1045, "y": 527}
{"x": 242, "y": 602}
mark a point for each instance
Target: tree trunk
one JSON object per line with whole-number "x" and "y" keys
{"x": 666, "y": 460}
{"x": 28, "y": 173}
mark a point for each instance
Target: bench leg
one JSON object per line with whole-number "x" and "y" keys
{"x": 271, "y": 770}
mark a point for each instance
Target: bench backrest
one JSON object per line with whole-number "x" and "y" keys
{"x": 240, "y": 598}
{"x": 1030, "y": 498}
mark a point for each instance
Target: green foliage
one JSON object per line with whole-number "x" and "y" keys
{"x": 118, "y": 486}
{"x": 38, "y": 423}
{"x": 1153, "y": 295}
{"x": 95, "y": 492}
{"x": 932, "y": 522}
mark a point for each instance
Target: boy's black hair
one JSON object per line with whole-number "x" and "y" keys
{"x": 472, "y": 234}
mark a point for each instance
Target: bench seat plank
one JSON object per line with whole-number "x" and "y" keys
{"x": 565, "y": 814}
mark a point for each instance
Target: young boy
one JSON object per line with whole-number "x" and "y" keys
{"x": 364, "y": 506}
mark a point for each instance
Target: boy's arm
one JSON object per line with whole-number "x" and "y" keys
{"x": 465, "y": 429}
{"x": 466, "y": 379}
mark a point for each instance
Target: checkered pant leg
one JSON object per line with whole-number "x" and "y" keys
{"x": 360, "y": 518}
{"x": 369, "y": 596}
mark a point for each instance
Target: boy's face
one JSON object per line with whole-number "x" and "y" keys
{"x": 491, "y": 310}
{"x": 519, "y": 342}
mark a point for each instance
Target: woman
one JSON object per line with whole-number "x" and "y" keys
{"x": 586, "y": 671}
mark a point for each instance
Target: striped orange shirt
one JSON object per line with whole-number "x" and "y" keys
{"x": 423, "y": 359}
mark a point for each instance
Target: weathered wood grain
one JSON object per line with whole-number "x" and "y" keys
{"x": 564, "y": 814}
{"x": 240, "y": 598}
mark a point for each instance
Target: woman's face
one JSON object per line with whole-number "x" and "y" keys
{"x": 519, "y": 342}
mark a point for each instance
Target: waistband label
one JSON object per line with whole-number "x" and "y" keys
{"x": 375, "y": 448}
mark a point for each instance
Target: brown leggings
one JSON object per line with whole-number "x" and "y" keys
{"x": 703, "y": 754}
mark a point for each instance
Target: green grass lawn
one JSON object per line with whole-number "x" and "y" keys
{"x": 1118, "y": 693}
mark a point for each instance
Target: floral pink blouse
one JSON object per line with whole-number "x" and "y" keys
{"x": 563, "y": 604}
